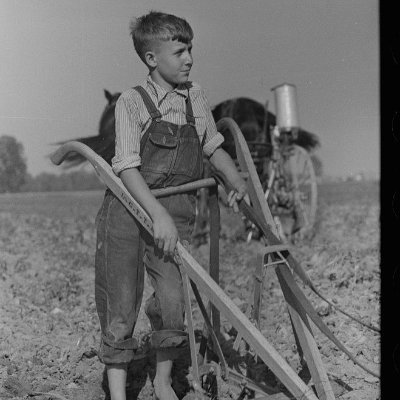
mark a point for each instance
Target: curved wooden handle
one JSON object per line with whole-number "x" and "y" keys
{"x": 246, "y": 164}
{"x": 107, "y": 176}
{"x": 73, "y": 146}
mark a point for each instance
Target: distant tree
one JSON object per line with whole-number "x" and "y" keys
{"x": 13, "y": 170}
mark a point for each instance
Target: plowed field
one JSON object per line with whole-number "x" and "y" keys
{"x": 48, "y": 323}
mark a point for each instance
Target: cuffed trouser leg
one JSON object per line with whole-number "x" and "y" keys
{"x": 119, "y": 280}
{"x": 165, "y": 308}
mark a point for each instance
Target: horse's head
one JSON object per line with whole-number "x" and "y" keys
{"x": 111, "y": 98}
{"x": 107, "y": 119}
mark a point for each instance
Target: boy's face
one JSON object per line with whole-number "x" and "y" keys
{"x": 171, "y": 62}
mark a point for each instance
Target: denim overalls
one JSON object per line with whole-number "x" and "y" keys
{"x": 171, "y": 155}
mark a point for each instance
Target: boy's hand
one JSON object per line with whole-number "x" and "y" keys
{"x": 165, "y": 232}
{"x": 236, "y": 195}
{"x": 223, "y": 163}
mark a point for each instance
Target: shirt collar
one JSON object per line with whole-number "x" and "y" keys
{"x": 160, "y": 92}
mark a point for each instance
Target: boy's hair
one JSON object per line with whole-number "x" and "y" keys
{"x": 156, "y": 26}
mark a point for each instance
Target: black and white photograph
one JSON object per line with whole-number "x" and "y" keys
{"x": 190, "y": 200}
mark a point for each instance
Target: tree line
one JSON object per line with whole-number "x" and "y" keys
{"x": 14, "y": 176}
{"x": 76, "y": 180}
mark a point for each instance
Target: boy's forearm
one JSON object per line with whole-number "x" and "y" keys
{"x": 223, "y": 162}
{"x": 165, "y": 233}
{"x": 137, "y": 187}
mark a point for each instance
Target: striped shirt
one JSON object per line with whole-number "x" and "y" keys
{"x": 132, "y": 120}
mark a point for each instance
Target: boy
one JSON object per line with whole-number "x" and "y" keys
{"x": 163, "y": 127}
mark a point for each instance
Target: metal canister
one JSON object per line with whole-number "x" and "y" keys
{"x": 286, "y": 107}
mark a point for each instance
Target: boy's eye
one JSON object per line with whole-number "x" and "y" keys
{"x": 181, "y": 51}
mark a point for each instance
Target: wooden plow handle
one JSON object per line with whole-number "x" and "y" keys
{"x": 246, "y": 164}
{"x": 105, "y": 173}
{"x": 195, "y": 271}
{"x": 285, "y": 276}
{"x": 260, "y": 214}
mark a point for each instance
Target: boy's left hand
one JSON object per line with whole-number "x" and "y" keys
{"x": 236, "y": 195}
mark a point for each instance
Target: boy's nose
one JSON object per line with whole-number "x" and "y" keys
{"x": 189, "y": 60}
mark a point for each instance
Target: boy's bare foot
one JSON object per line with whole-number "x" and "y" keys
{"x": 163, "y": 389}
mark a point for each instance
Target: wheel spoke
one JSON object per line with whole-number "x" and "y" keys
{"x": 299, "y": 177}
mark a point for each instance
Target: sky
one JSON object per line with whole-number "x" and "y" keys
{"x": 57, "y": 57}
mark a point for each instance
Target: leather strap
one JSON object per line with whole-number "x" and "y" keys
{"x": 302, "y": 305}
{"x": 189, "y": 111}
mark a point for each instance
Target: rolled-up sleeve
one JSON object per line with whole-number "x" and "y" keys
{"x": 127, "y": 134}
{"x": 213, "y": 138}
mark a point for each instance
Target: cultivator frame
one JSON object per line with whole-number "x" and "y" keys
{"x": 276, "y": 254}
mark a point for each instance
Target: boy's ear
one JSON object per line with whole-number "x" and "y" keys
{"x": 151, "y": 59}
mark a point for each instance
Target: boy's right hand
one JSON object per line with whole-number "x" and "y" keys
{"x": 165, "y": 232}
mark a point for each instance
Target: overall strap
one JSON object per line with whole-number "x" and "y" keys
{"x": 204, "y": 139}
{"x": 190, "y": 118}
{"x": 151, "y": 108}
{"x": 154, "y": 114}
{"x": 189, "y": 111}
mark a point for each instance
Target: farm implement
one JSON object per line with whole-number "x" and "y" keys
{"x": 276, "y": 254}
{"x": 281, "y": 152}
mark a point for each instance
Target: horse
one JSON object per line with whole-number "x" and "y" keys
{"x": 256, "y": 123}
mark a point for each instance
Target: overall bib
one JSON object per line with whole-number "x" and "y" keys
{"x": 171, "y": 155}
